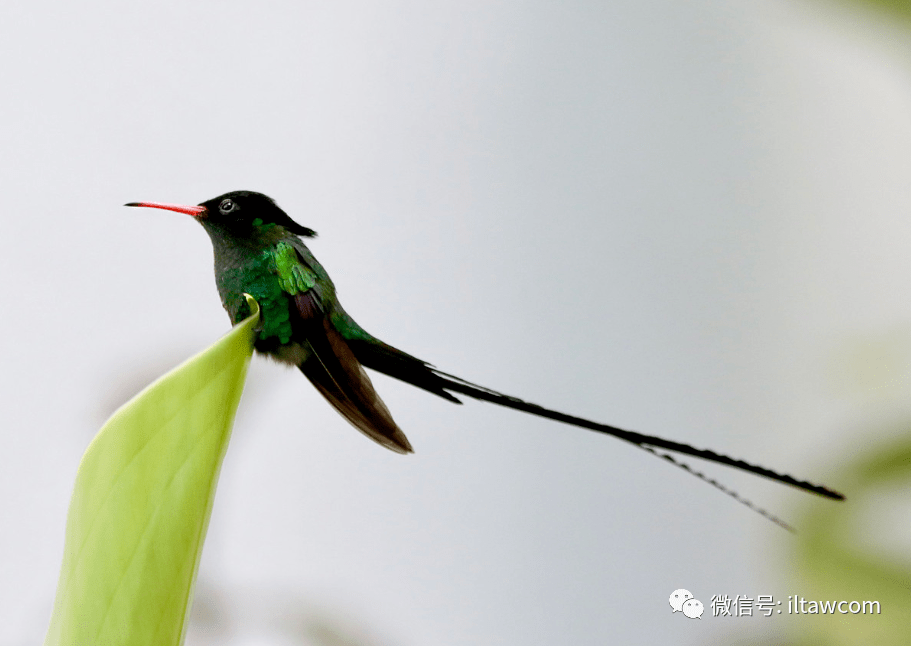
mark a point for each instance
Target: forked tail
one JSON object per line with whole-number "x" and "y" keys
{"x": 395, "y": 363}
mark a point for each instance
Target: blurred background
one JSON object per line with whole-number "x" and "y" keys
{"x": 686, "y": 219}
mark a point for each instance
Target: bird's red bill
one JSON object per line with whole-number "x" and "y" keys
{"x": 195, "y": 211}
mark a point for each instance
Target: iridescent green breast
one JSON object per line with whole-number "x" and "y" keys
{"x": 272, "y": 277}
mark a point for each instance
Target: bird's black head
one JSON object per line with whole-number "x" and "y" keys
{"x": 241, "y": 213}
{"x": 247, "y": 208}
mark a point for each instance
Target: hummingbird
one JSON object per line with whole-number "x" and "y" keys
{"x": 260, "y": 250}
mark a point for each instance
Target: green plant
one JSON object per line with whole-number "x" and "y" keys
{"x": 142, "y": 501}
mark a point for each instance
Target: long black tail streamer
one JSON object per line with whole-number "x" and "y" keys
{"x": 650, "y": 443}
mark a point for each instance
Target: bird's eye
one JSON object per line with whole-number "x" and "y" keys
{"x": 226, "y": 206}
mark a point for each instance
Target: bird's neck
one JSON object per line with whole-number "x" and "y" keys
{"x": 236, "y": 251}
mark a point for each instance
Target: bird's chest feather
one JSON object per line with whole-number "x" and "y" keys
{"x": 256, "y": 274}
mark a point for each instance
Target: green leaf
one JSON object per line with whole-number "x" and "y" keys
{"x": 142, "y": 501}
{"x": 899, "y": 9}
{"x": 856, "y": 551}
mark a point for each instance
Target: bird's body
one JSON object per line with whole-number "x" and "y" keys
{"x": 259, "y": 250}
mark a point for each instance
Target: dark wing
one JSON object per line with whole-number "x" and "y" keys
{"x": 331, "y": 365}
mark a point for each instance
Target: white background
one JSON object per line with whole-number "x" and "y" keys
{"x": 687, "y": 219}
